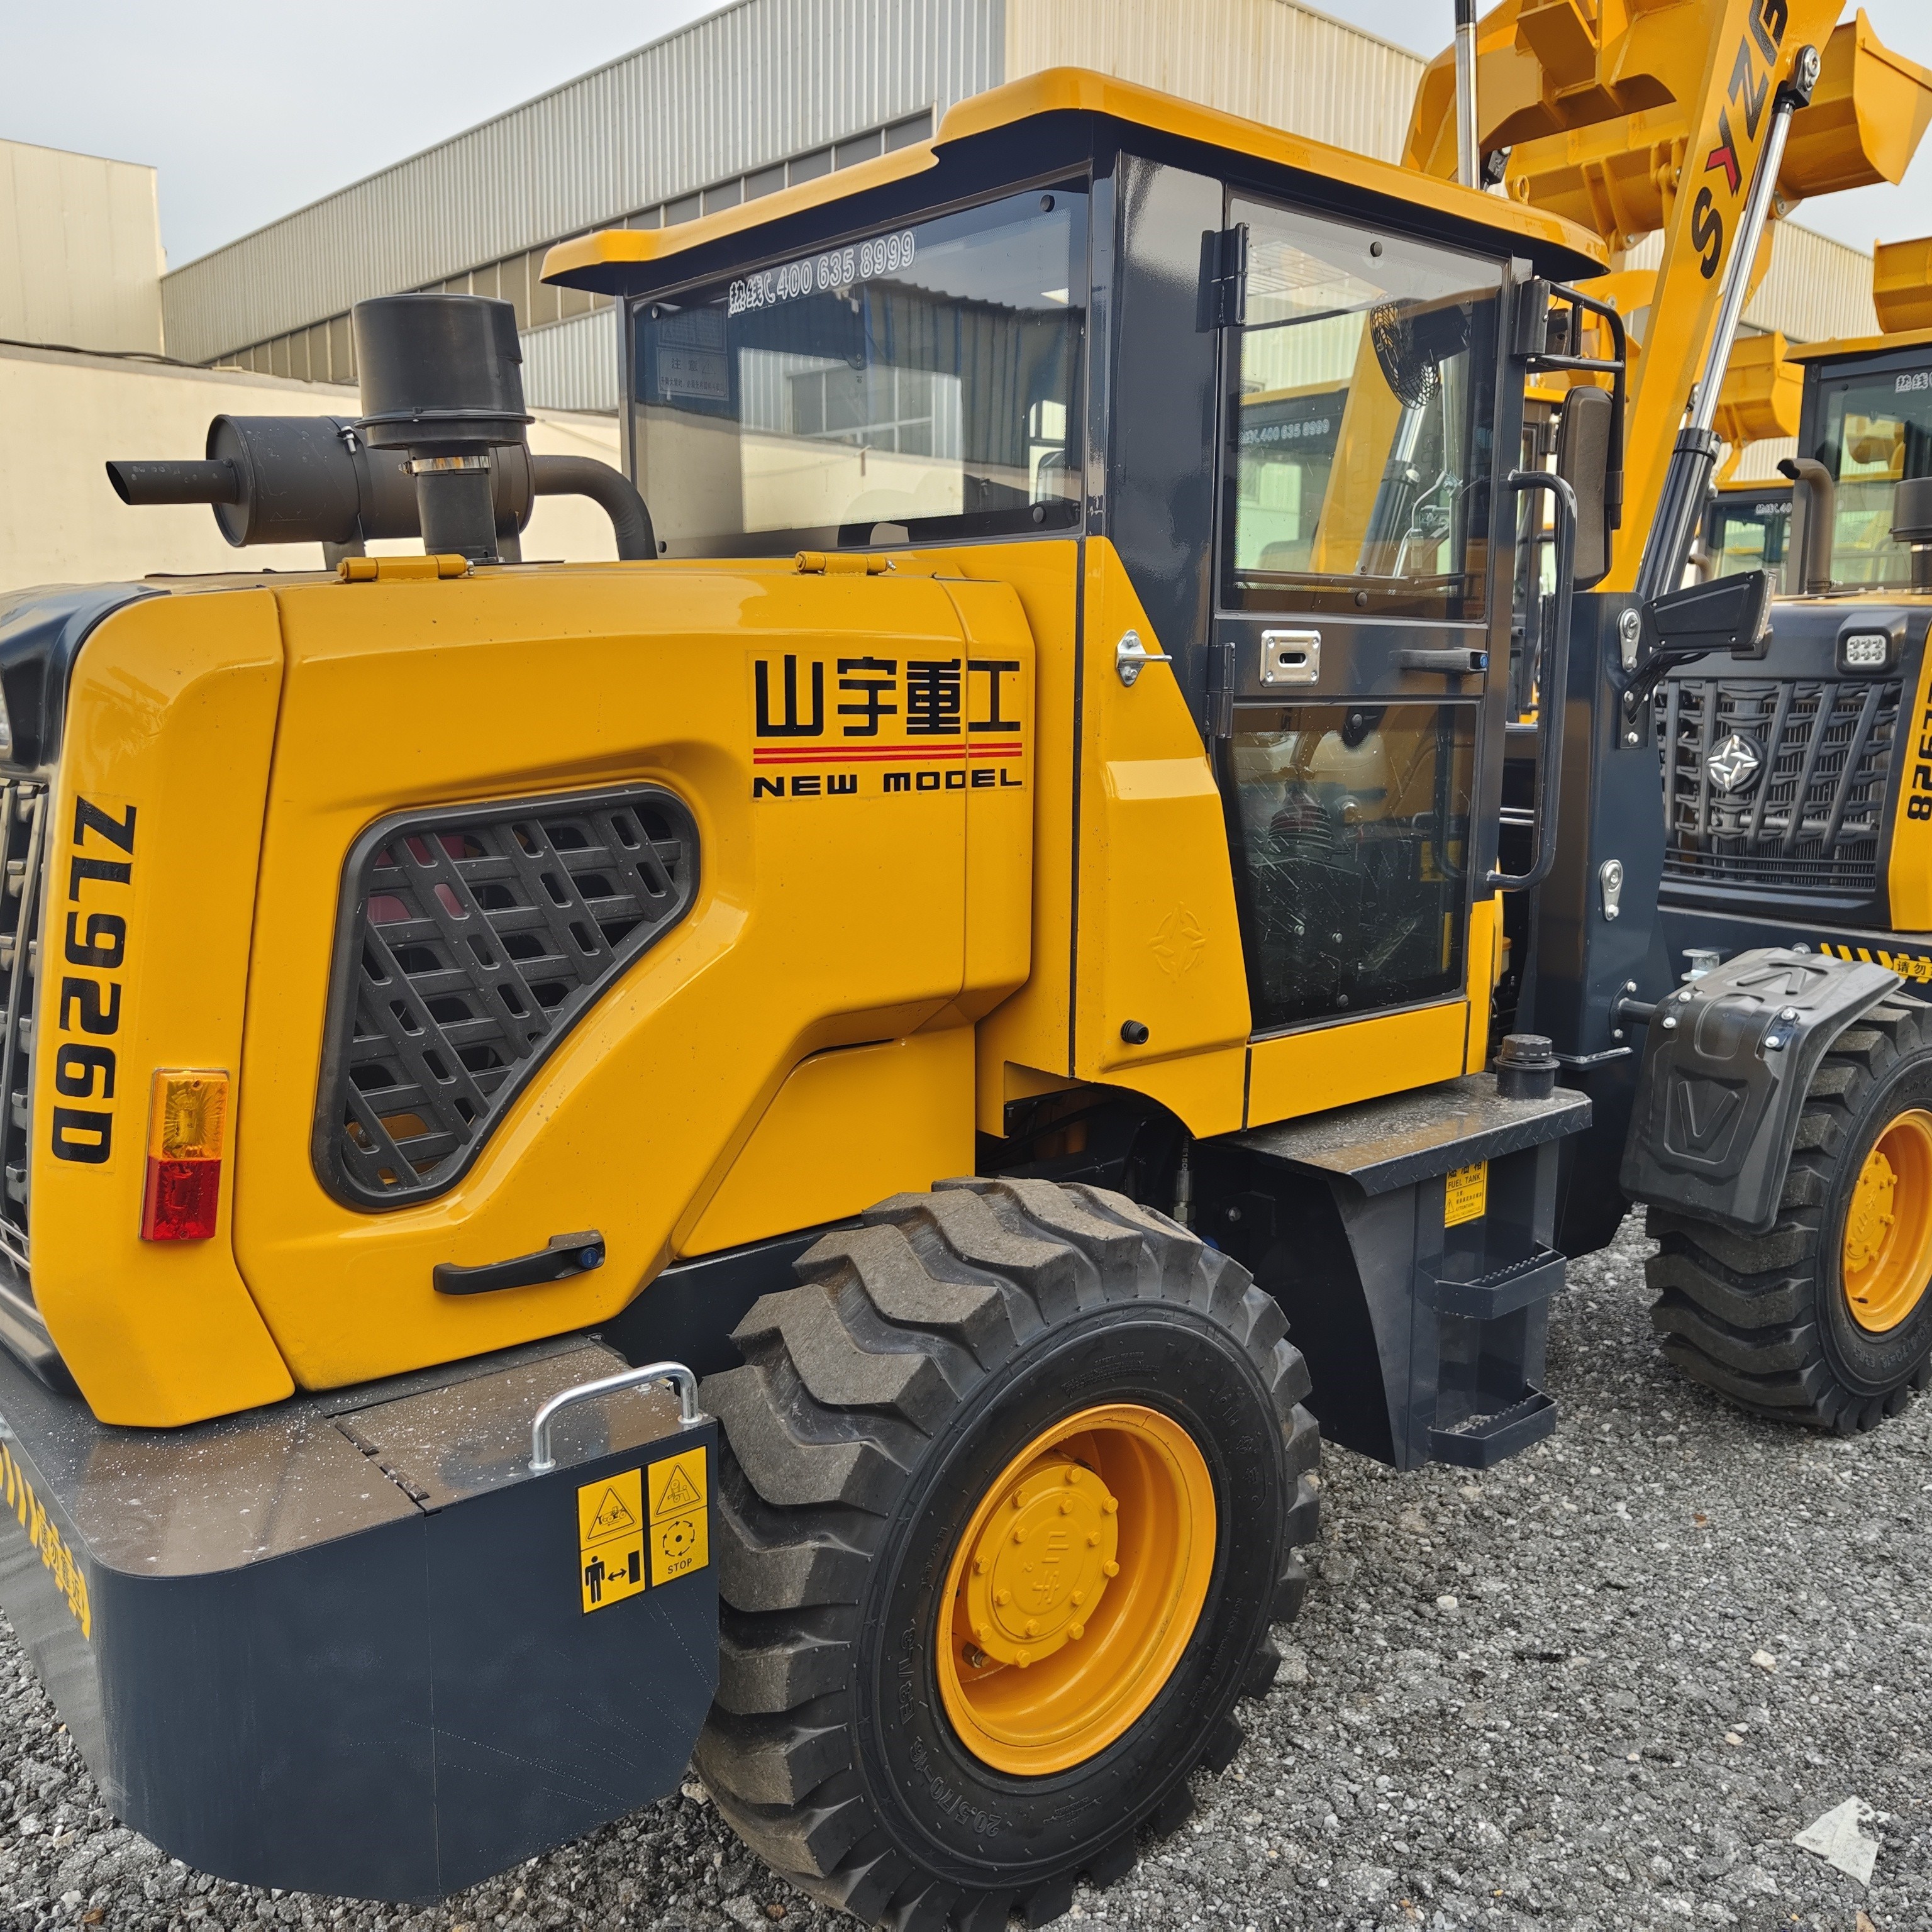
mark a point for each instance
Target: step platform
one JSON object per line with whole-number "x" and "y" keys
{"x": 1409, "y": 1241}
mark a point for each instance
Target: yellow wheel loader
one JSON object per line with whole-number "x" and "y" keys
{"x": 772, "y": 1151}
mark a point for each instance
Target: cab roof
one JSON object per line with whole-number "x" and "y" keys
{"x": 620, "y": 261}
{"x": 1859, "y": 345}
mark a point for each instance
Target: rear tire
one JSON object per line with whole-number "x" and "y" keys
{"x": 1770, "y": 1320}
{"x": 879, "y": 1404}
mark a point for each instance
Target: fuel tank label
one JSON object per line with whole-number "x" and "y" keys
{"x": 1466, "y": 1194}
{"x": 876, "y": 726}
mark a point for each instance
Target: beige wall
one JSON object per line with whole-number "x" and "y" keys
{"x": 63, "y": 416}
{"x": 1270, "y": 60}
{"x": 80, "y": 251}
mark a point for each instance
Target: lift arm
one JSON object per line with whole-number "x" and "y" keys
{"x": 1634, "y": 116}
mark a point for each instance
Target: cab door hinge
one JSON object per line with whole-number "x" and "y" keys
{"x": 1221, "y": 676}
{"x": 1224, "y": 277}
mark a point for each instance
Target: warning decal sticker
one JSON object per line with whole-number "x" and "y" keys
{"x": 1465, "y": 1195}
{"x": 680, "y": 1542}
{"x": 610, "y": 1539}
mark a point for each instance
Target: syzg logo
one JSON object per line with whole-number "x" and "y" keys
{"x": 1748, "y": 91}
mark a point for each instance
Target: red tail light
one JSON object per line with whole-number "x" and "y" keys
{"x": 186, "y": 1131}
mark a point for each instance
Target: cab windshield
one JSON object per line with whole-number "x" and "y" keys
{"x": 916, "y": 385}
{"x": 1872, "y": 430}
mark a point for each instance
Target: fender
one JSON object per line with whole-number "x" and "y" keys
{"x": 1727, "y": 1067}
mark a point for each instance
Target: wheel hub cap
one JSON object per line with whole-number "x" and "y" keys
{"x": 1885, "y": 1252}
{"x": 1870, "y": 1212}
{"x": 1074, "y": 1588}
{"x": 1041, "y": 1565}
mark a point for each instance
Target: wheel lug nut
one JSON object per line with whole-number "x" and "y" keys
{"x": 1032, "y": 1628}
{"x": 1076, "y": 1631}
{"x": 1003, "y": 1596}
{"x": 1023, "y": 1658}
{"x": 975, "y": 1657}
{"x": 1111, "y": 1504}
{"x": 1092, "y": 1537}
{"x": 1078, "y": 1598}
{"x": 1111, "y": 1569}
{"x": 1066, "y": 1505}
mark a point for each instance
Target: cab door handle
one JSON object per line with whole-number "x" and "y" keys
{"x": 1460, "y": 663}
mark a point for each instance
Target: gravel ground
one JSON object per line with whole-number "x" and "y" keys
{"x": 1600, "y": 1688}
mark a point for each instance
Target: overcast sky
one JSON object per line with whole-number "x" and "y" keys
{"x": 250, "y": 113}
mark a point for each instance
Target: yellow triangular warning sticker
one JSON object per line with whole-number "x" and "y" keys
{"x": 612, "y": 1516}
{"x": 678, "y": 1494}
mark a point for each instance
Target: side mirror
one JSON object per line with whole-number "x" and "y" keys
{"x": 1583, "y": 462}
{"x": 1729, "y": 613}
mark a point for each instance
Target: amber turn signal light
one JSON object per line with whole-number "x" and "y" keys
{"x": 188, "y": 1125}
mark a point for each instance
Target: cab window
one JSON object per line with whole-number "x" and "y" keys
{"x": 916, "y": 386}
{"x": 1744, "y": 533}
{"x": 1872, "y": 430}
{"x": 1353, "y": 822}
{"x": 1357, "y": 474}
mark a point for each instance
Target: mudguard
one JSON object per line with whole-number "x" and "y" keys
{"x": 1727, "y": 1067}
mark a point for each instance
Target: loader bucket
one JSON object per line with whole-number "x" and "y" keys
{"x": 1868, "y": 113}
{"x": 1902, "y": 285}
{"x": 1761, "y": 392}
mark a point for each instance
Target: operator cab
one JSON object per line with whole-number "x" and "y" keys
{"x": 1280, "y": 384}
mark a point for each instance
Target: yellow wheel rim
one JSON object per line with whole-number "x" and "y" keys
{"x": 1887, "y": 1250}
{"x": 1076, "y": 1588}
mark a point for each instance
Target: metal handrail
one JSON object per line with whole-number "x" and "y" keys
{"x": 1552, "y": 685}
{"x": 542, "y": 1462}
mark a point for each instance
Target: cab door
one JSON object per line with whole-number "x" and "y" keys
{"x": 1355, "y": 620}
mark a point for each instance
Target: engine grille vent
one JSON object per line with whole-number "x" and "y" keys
{"x": 471, "y": 940}
{"x": 1804, "y": 807}
{"x": 23, "y": 844}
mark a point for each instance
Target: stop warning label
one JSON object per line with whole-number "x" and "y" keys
{"x": 642, "y": 1527}
{"x": 679, "y": 1540}
{"x": 610, "y": 1539}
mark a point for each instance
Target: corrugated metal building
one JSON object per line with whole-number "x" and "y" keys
{"x": 766, "y": 92}
{"x": 756, "y": 95}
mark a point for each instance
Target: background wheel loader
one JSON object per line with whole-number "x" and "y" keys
{"x": 979, "y": 966}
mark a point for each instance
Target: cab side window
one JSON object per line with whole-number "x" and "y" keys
{"x": 1357, "y": 472}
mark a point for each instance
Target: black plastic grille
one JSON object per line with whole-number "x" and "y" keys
{"x": 23, "y": 842}
{"x": 1812, "y": 817}
{"x": 471, "y": 940}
